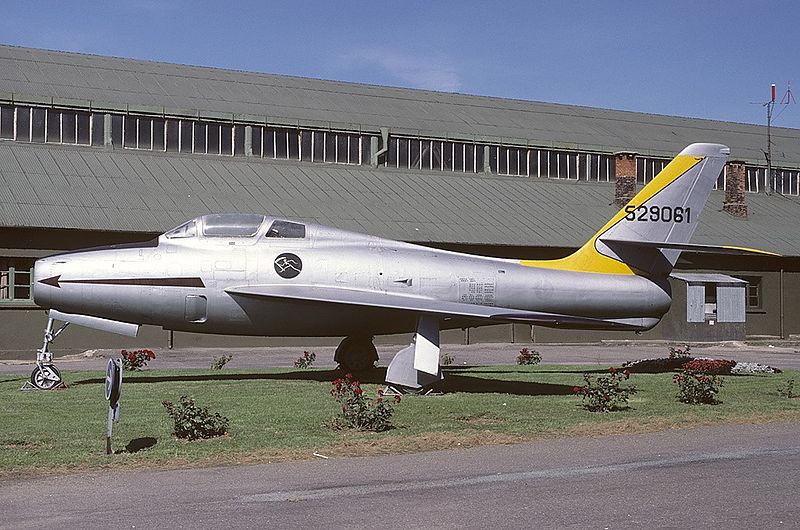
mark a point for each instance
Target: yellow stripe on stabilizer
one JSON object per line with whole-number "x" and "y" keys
{"x": 752, "y": 251}
{"x": 587, "y": 258}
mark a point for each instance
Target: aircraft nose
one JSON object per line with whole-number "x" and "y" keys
{"x": 42, "y": 289}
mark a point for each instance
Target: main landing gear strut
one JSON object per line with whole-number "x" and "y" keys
{"x": 46, "y": 376}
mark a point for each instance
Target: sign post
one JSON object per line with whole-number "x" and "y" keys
{"x": 113, "y": 391}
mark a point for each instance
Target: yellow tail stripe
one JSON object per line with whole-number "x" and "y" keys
{"x": 587, "y": 258}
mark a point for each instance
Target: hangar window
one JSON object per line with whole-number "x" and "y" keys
{"x": 286, "y": 229}
{"x": 173, "y": 135}
{"x": 753, "y": 293}
{"x": 648, "y": 168}
{"x": 231, "y": 224}
{"x": 330, "y": 146}
{"x": 15, "y": 280}
{"x": 756, "y": 178}
{"x": 785, "y": 181}
{"x": 720, "y": 183}
{"x": 98, "y": 129}
{"x": 601, "y": 168}
{"x": 23, "y": 131}
{"x": 508, "y": 161}
{"x": 38, "y": 124}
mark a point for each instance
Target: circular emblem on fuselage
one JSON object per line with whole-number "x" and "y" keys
{"x": 288, "y": 265}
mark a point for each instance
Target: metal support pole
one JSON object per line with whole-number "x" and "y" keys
{"x": 782, "y": 315}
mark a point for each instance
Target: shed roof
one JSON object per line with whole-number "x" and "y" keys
{"x": 58, "y": 186}
{"x": 61, "y": 78}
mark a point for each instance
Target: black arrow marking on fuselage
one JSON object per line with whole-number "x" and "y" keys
{"x": 56, "y": 281}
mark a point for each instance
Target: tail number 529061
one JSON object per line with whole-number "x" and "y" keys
{"x": 656, "y": 214}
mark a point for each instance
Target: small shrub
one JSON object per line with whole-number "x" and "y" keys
{"x": 697, "y": 388}
{"x": 306, "y": 360}
{"x": 193, "y": 422}
{"x": 709, "y": 366}
{"x": 447, "y": 359}
{"x": 528, "y": 357}
{"x": 358, "y": 412}
{"x": 220, "y": 362}
{"x": 136, "y": 360}
{"x": 787, "y": 390}
{"x": 676, "y": 353}
{"x": 605, "y": 393}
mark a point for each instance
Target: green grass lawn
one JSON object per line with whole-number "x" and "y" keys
{"x": 280, "y": 414}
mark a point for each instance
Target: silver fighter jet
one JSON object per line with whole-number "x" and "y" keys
{"x": 251, "y": 274}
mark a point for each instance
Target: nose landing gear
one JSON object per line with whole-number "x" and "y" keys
{"x": 46, "y": 376}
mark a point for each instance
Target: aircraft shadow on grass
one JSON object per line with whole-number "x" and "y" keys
{"x": 453, "y": 382}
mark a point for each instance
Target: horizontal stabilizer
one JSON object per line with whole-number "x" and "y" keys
{"x": 721, "y": 249}
{"x": 422, "y": 305}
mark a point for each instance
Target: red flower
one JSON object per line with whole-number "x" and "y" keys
{"x": 577, "y": 389}
{"x": 612, "y": 370}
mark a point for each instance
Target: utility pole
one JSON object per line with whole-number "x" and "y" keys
{"x": 768, "y": 153}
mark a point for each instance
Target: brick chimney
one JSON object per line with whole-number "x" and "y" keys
{"x": 625, "y": 177}
{"x": 734, "y": 189}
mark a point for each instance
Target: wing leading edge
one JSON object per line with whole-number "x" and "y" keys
{"x": 429, "y": 306}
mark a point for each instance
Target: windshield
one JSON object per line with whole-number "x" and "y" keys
{"x": 231, "y": 224}
{"x": 287, "y": 229}
{"x": 187, "y": 229}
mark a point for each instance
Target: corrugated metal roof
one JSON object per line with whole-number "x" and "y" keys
{"x": 128, "y": 190}
{"x": 108, "y": 82}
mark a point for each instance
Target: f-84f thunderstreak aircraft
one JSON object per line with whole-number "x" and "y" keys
{"x": 249, "y": 274}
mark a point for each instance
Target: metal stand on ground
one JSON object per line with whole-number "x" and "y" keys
{"x": 113, "y": 391}
{"x": 27, "y": 386}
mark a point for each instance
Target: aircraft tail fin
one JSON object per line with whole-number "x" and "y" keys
{"x": 658, "y": 222}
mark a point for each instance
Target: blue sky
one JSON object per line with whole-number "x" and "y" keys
{"x": 707, "y": 59}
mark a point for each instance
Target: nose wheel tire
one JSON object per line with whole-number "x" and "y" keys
{"x": 45, "y": 377}
{"x": 356, "y": 354}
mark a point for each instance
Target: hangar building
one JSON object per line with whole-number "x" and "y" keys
{"x": 97, "y": 150}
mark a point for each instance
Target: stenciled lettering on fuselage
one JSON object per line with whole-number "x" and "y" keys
{"x": 288, "y": 265}
{"x": 477, "y": 291}
{"x": 655, "y": 214}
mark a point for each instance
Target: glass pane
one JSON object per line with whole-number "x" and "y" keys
{"x": 173, "y": 135}
{"x": 354, "y": 149}
{"x": 366, "y": 149}
{"x": 231, "y": 224}
{"x": 447, "y": 156}
{"x": 186, "y": 135}
{"x": 306, "y": 145}
{"x": 130, "y": 131}
{"x": 145, "y": 133}
{"x": 513, "y": 161}
{"x": 98, "y": 129}
{"x": 37, "y": 125}
{"x": 319, "y": 146}
{"x": 402, "y": 152}
{"x": 24, "y": 123}
{"x": 200, "y": 137}
{"x": 281, "y": 143}
{"x": 493, "y": 159}
{"x": 286, "y": 229}
{"x": 68, "y": 124}
{"x": 458, "y": 157}
{"x": 391, "y": 154}
{"x": 330, "y": 147}
{"x": 270, "y": 138}
{"x": 533, "y": 157}
{"x": 479, "y": 154}
{"x": 436, "y": 155}
{"x": 238, "y": 140}
{"x": 258, "y": 133}
{"x": 469, "y": 158}
{"x": 342, "y": 148}
{"x": 213, "y": 138}
{"x": 427, "y": 154}
{"x": 53, "y": 125}
{"x": 158, "y": 134}
{"x": 116, "y": 130}
{"x": 294, "y": 144}
{"x": 82, "y": 119}
{"x": 6, "y": 122}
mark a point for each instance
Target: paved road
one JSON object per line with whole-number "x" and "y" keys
{"x": 743, "y": 476}
{"x": 780, "y": 355}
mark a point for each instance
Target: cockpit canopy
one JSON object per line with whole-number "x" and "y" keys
{"x": 236, "y": 225}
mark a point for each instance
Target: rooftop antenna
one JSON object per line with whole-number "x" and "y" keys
{"x": 787, "y": 98}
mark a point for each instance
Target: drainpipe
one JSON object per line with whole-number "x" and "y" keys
{"x": 783, "y": 330}
{"x": 374, "y": 146}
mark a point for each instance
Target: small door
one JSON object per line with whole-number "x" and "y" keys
{"x": 196, "y": 308}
